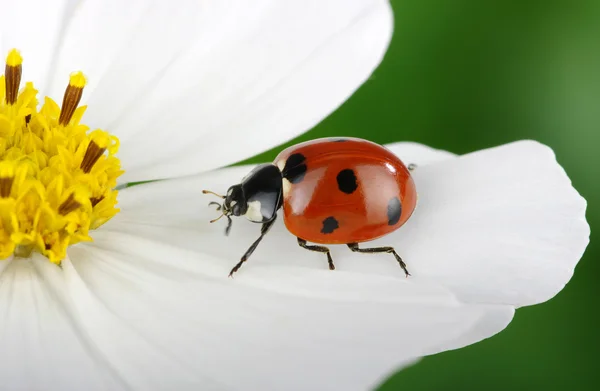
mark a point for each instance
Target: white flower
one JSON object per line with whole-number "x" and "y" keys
{"x": 148, "y": 306}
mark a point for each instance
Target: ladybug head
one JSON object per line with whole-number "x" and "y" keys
{"x": 233, "y": 204}
{"x": 257, "y": 197}
{"x": 235, "y": 201}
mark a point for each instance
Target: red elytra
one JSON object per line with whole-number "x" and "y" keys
{"x": 332, "y": 190}
{"x": 350, "y": 191}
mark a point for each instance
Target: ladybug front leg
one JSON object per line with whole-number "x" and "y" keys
{"x": 354, "y": 248}
{"x": 263, "y": 231}
{"x": 319, "y": 249}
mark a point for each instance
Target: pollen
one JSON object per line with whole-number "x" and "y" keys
{"x": 57, "y": 177}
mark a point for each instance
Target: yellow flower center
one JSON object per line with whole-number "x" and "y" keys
{"x": 57, "y": 179}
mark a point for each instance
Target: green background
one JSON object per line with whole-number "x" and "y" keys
{"x": 463, "y": 75}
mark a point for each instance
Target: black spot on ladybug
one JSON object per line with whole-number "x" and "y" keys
{"x": 394, "y": 210}
{"x": 330, "y": 224}
{"x": 347, "y": 181}
{"x": 295, "y": 168}
{"x": 339, "y": 140}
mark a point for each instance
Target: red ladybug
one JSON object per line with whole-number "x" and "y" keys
{"x": 332, "y": 190}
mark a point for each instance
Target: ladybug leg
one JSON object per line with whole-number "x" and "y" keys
{"x": 319, "y": 249}
{"x": 354, "y": 248}
{"x": 228, "y": 229}
{"x": 412, "y": 166}
{"x": 263, "y": 231}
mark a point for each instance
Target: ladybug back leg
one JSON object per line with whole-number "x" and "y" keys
{"x": 320, "y": 249}
{"x": 354, "y": 247}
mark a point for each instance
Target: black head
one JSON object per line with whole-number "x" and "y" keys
{"x": 235, "y": 202}
{"x": 257, "y": 197}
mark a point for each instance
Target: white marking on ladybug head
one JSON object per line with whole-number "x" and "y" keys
{"x": 287, "y": 186}
{"x": 253, "y": 213}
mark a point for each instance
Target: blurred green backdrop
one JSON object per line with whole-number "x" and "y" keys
{"x": 463, "y": 75}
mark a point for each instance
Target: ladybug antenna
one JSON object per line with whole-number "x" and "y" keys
{"x": 217, "y": 219}
{"x": 229, "y": 222}
{"x": 213, "y": 193}
{"x": 224, "y": 212}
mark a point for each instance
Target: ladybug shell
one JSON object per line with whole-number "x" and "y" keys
{"x": 347, "y": 190}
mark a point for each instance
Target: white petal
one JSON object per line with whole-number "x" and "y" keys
{"x": 502, "y": 225}
{"x": 137, "y": 361}
{"x": 95, "y": 39}
{"x": 208, "y": 83}
{"x": 489, "y": 324}
{"x": 36, "y": 29}
{"x": 271, "y": 328}
{"x": 41, "y": 350}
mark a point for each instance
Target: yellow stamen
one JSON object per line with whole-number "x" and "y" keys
{"x": 13, "y": 71}
{"x": 72, "y": 97}
{"x": 92, "y": 154}
{"x": 14, "y": 58}
{"x": 77, "y": 80}
{"x": 5, "y": 186}
{"x": 69, "y": 205}
{"x": 7, "y": 177}
{"x": 57, "y": 178}
{"x": 96, "y": 200}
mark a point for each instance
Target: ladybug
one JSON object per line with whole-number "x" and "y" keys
{"x": 332, "y": 191}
